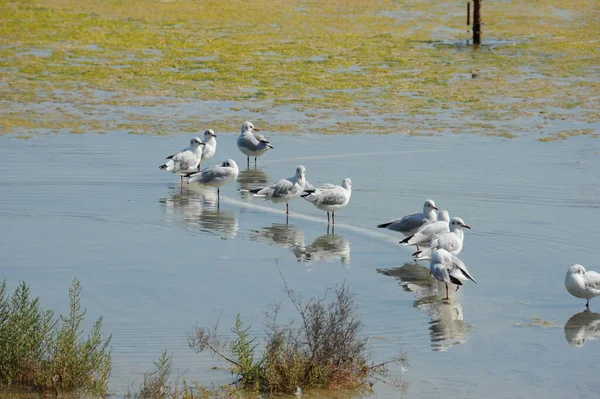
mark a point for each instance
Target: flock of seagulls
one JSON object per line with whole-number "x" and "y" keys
{"x": 437, "y": 237}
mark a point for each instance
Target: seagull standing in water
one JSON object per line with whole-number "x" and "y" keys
{"x": 410, "y": 224}
{"x": 426, "y": 233}
{"x": 448, "y": 268}
{"x": 330, "y": 198}
{"x": 582, "y": 284}
{"x": 185, "y": 161}
{"x": 451, "y": 241}
{"x": 216, "y": 176}
{"x": 250, "y": 145}
{"x": 284, "y": 190}
{"x": 210, "y": 145}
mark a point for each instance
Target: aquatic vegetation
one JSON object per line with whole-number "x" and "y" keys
{"x": 326, "y": 350}
{"x": 41, "y": 352}
{"x": 358, "y": 58}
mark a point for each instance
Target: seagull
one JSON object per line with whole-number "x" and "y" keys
{"x": 250, "y": 145}
{"x": 451, "y": 241}
{"x": 185, "y": 161}
{"x": 284, "y": 190}
{"x": 210, "y": 147}
{"x": 330, "y": 198}
{"x": 426, "y": 233}
{"x": 216, "y": 175}
{"x": 410, "y": 224}
{"x": 448, "y": 268}
{"x": 582, "y": 284}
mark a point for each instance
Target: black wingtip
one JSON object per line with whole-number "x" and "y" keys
{"x": 383, "y": 225}
{"x": 255, "y": 191}
{"x": 455, "y": 281}
{"x": 416, "y": 253}
{"x": 405, "y": 241}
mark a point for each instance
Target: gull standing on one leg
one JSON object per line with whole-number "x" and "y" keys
{"x": 330, "y": 198}
{"x": 284, "y": 190}
{"x": 185, "y": 161}
{"x": 216, "y": 176}
{"x": 210, "y": 146}
{"x": 250, "y": 145}
{"x": 448, "y": 268}
{"x": 582, "y": 284}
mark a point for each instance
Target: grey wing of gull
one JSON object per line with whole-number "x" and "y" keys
{"x": 279, "y": 189}
{"x": 410, "y": 222}
{"x": 250, "y": 142}
{"x": 332, "y": 196}
{"x": 210, "y": 174}
{"x": 592, "y": 280}
{"x": 185, "y": 159}
{"x": 456, "y": 262}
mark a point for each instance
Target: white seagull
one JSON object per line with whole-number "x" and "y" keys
{"x": 426, "y": 233}
{"x": 284, "y": 190}
{"x": 210, "y": 147}
{"x": 330, "y": 198}
{"x": 410, "y": 224}
{"x": 250, "y": 145}
{"x": 448, "y": 268}
{"x": 185, "y": 161}
{"x": 582, "y": 284}
{"x": 216, "y": 175}
{"x": 451, "y": 241}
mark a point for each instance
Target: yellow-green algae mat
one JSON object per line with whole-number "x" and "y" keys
{"x": 342, "y": 66}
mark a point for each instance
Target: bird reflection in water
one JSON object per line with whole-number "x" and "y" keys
{"x": 447, "y": 327}
{"x": 251, "y": 179}
{"x": 196, "y": 209}
{"x": 327, "y": 248}
{"x": 581, "y": 327}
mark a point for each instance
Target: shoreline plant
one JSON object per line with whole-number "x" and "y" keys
{"x": 43, "y": 353}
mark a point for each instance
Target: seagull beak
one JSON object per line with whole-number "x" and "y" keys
{"x": 435, "y": 207}
{"x": 466, "y": 226}
{"x": 257, "y": 129}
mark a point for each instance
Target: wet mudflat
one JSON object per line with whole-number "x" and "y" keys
{"x": 155, "y": 259}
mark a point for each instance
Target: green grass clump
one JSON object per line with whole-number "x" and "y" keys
{"x": 41, "y": 352}
{"x": 324, "y": 351}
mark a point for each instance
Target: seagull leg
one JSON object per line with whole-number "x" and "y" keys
{"x": 248, "y": 161}
{"x": 218, "y": 197}
{"x": 287, "y": 209}
{"x": 255, "y": 162}
{"x": 332, "y": 217}
{"x": 327, "y": 220}
{"x": 587, "y": 305}
{"x": 447, "y": 297}
{"x": 457, "y": 287}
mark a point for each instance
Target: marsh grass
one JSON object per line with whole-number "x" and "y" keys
{"x": 41, "y": 352}
{"x": 355, "y": 58}
{"x": 325, "y": 350}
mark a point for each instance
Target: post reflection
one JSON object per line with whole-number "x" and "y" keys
{"x": 195, "y": 208}
{"x": 446, "y": 327}
{"x": 581, "y": 327}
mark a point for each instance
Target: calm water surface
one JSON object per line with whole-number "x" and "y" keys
{"x": 156, "y": 260}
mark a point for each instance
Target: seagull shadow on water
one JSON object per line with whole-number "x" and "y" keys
{"x": 581, "y": 327}
{"x": 197, "y": 209}
{"x": 446, "y": 327}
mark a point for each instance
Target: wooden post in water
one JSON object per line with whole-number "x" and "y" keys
{"x": 477, "y": 22}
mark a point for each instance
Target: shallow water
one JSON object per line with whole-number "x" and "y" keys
{"x": 156, "y": 260}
